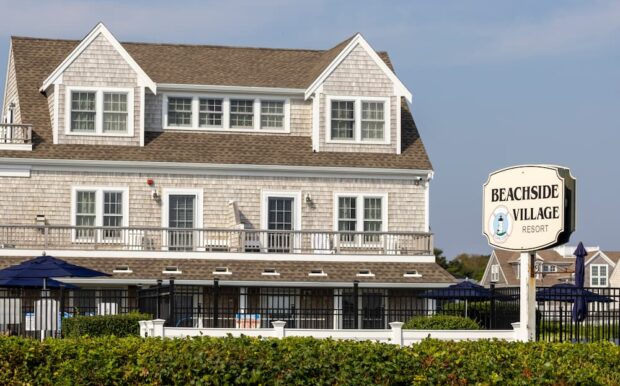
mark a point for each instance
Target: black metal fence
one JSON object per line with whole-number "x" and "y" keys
{"x": 555, "y": 321}
{"x": 316, "y": 308}
{"x": 37, "y": 313}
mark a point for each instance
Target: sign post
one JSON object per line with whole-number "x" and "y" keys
{"x": 527, "y": 208}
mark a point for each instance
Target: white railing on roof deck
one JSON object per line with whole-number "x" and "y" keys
{"x": 11, "y": 133}
{"x": 53, "y": 237}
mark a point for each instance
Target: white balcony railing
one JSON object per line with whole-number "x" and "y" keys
{"x": 51, "y": 237}
{"x": 15, "y": 134}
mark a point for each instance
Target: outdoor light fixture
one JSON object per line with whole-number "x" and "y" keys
{"x": 417, "y": 180}
{"x": 154, "y": 193}
{"x": 308, "y": 198}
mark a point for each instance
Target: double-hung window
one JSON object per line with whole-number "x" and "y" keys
{"x": 358, "y": 120}
{"x": 272, "y": 115}
{"x": 598, "y": 275}
{"x": 179, "y": 112}
{"x": 360, "y": 213}
{"x": 210, "y": 112}
{"x": 495, "y": 273}
{"x": 99, "y": 111}
{"x": 241, "y": 113}
{"x": 99, "y": 213}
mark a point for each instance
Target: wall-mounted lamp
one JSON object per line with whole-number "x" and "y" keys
{"x": 417, "y": 180}
{"x": 308, "y": 198}
{"x": 154, "y": 193}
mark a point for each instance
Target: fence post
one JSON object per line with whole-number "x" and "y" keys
{"x": 492, "y": 321}
{"x": 397, "y": 333}
{"x": 158, "y": 302}
{"x": 158, "y": 327}
{"x": 61, "y": 306}
{"x": 216, "y": 296}
{"x": 356, "y": 304}
{"x": 171, "y": 311}
{"x": 278, "y": 326}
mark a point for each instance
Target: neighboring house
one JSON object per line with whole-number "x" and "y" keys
{"x": 554, "y": 266}
{"x": 250, "y": 167}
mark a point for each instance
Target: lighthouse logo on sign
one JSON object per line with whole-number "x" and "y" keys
{"x": 500, "y": 224}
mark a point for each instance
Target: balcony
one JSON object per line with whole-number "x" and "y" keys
{"x": 177, "y": 240}
{"x": 15, "y": 137}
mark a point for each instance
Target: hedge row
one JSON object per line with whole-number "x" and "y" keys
{"x": 441, "y": 322}
{"x": 152, "y": 361}
{"x": 117, "y": 325}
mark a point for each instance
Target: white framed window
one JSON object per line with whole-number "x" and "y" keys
{"x": 106, "y": 207}
{"x": 249, "y": 113}
{"x": 211, "y": 111}
{"x": 99, "y": 111}
{"x": 494, "y": 273}
{"x": 352, "y": 119}
{"x": 182, "y": 213}
{"x": 546, "y": 268}
{"x": 360, "y": 212}
{"x": 598, "y": 275}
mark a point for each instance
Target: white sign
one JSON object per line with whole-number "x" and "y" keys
{"x": 527, "y": 208}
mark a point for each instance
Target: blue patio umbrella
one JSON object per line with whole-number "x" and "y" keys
{"x": 569, "y": 293}
{"x": 45, "y": 267}
{"x": 465, "y": 290}
{"x": 34, "y": 282}
{"x": 580, "y": 308}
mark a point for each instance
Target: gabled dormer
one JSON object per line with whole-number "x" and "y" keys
{"x": 96, "y": 95}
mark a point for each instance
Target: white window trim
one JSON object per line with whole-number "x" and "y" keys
{"x": 357, "y": 129}
{"x": 99, "y": 110}
{"x": 360, "y": 206}
{"x": 199, "y": 210}
{"x": 599, "y": 276}
{"x": 226, "y": 112}
{"x": 99, "y": 190}
{"x": 494, "y": 273}
{"x": 264, "y": 216}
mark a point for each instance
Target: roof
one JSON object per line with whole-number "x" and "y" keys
{"x": 36, "y": 58}
{"x": 566, "y": 265}
{"x": 251, "y": 270}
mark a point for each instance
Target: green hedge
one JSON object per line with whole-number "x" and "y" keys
{"x": 137, "y": 361}
{"x": 441, "y": 322}
{"x": 117, "y": 325}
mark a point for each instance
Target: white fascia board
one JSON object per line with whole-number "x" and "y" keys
{"x": 143, "y": 78}
{"x": 213, "y": 169}
{"x": 6, "y": 80}
{"x": 253, "y": 283}
{"x": 230, "y": 89}
{"x": 399, "y": 87}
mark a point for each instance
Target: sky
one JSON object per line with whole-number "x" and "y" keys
{"x": 495, "y": 83}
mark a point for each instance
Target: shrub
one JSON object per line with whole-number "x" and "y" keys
{"x": 117, "y": 325}
{"x": 154, "y": 361}
{"x": 441, "y": 322}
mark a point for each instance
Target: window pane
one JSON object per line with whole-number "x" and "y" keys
{"x": 347, "y": 216}
{"x": 342, "y": 119}
{"x": 83, "y": 111}
{"x": 210, "y": 113}
{"x": 179, "y": 111}
{"x": 241, "y": 113}
{"x": 373, "y": 121}
{"x": 112, "y": 214}
{"x": 272, "y": 115}
{"x": 372, "y": 218}
{"x": 85, "y": 213}
{"x": 114, "y": 112}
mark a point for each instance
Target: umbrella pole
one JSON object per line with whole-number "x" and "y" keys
{"x": 465, "y": 307}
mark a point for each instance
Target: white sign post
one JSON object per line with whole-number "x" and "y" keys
{"x": 527, "y": 208}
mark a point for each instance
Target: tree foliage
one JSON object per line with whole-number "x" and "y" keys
{"x": 463, "y": 265}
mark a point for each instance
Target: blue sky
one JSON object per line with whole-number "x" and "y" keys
{"x": 494, "y": 83}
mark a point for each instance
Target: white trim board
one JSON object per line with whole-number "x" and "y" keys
{"x": 201, "y": 255}
{"x": 99, "y": 29}
{"x": 189, "y": 168}
{"x": 399, "y": 87}
{"x": 6, "y": 80}
{"x": 164, "y": 87}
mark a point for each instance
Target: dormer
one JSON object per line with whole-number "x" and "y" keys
{"x": 96, "y": 95}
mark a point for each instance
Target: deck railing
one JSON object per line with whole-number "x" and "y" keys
{"x": 52, "y": 237}
{"x": 11, "y": 133}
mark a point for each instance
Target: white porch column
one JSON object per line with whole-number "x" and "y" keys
{"x": 527, "y": 277}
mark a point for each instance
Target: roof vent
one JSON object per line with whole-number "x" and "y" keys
{"x": 222, "y": 271}
{"x": 270, "y": 272}
{"x": 172, "y": 269}
{"x": 122, "y": 269}
{"x": 317, "y": 272}
{"x": 412, "y": 273}
{"x": 365, "y": 273}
